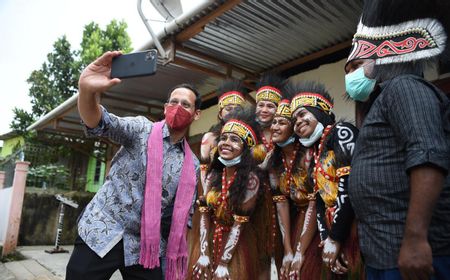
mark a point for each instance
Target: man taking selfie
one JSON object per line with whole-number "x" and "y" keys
{"x": 137, "y": 221}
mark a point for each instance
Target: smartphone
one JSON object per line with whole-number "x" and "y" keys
{"x": 136, "y": 64}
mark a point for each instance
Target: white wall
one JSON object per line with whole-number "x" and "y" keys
{"x": 207, "y": 119}
{"x": 332, "y": 75}
{"x": 5, "y": 203}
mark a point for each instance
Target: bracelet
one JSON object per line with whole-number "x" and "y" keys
{"x": 343, "y": 171}
{"x": 279, "y": 198}
{"x": 223, "y": 263}
{"x": 203, "y": 209}
{"x": 241, "y": 219}
{"x": 204, "y": 167}
{"x": 201, "y": 201}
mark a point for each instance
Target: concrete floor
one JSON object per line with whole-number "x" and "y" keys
{"x": 40, "y": 265}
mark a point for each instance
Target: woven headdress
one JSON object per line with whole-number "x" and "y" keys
{"x": 284, "y": 109}
{"x": 393, "y": 31}
{"x": 270, "y": 88}
{"x": 231, "y": 92}
{"x": 314, "y": 97}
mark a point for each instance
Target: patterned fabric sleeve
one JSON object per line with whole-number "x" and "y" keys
{"x": 343, "y": 214}
{"x": 191, "y": 211}
{"x": 120, "y": 130}
{"x": 320, "y": 213}
{"x": 344, "y": 142}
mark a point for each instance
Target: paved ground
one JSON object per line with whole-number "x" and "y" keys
{"x": 40, "y": 265}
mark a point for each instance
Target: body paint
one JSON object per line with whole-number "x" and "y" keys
{"x": 232, "y": 241}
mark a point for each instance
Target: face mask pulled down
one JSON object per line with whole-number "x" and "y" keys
{"x": 230, "y": 162}
{"x": 177, "y": 118}
{"x": 290, "y": 140}
{"x": 317, "y": 133}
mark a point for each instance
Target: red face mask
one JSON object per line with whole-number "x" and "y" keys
{"x": 177, "y": 118}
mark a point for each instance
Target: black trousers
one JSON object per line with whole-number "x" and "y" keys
{"x": 85, "y": 264}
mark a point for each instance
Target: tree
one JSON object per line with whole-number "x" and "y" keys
{"x": 50, "y": 86}
{"x": 96, "y": 41}
{"x": 22, "y": 119}
{"x": 57, "y": 79}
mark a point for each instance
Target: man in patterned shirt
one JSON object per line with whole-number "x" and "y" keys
{"x": 399, "y": 185}
{"x": 111, "y": 235}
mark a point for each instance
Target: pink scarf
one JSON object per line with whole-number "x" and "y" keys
{"x": 176, "y": 255}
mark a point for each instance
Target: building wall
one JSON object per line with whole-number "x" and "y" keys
{"x": 91, "y": 184}
{"x": 207, "y": 119}
{"x": 332, "y": 75}
{"x": 10, "y": 144}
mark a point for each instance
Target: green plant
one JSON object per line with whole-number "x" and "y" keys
{"x": 12, "y": 257}
{"x": 51, "y": 175}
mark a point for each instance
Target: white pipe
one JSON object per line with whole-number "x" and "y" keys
{"x": 179, "y": 21}
{"x": 161, "y": 50}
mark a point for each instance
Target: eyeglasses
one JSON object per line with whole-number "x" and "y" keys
{"x": 183, "y": 103}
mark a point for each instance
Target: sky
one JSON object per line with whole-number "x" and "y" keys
{"x": 29, "y": 28}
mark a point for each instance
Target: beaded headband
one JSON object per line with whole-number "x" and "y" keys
{"x": 284, "y": 109}
{"x": 309, "y": 99}
{"x": 241, "y": 129}
{"x": 407, "y": 41}
{"x": 231, "y": 97}
{"x": 268, "y": 93}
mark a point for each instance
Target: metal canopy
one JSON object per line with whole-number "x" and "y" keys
{"x": 260, "y": 35}
{"x": 239, "y": 39}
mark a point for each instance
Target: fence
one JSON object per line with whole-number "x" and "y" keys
{"x": 15, "y": 199}
{"x": 8, "y": 165}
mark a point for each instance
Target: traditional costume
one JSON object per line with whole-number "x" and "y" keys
{"x": 268, "y": 95}
{"x": 269, "y": 89}
{"x": 329, "y": 176}
{"x": 228, "y": 238}
{"x": 231, "y": 96}
{"x": 294, "y": 199}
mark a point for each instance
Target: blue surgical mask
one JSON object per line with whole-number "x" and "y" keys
{"x": 308, "y": 142}
{"x": 358, "y": 86}
{"x": 230, "y": 162}
{"x": 290, "y": 140}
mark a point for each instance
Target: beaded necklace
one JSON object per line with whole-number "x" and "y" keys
{"x": 267, "y": 144}
{"x": 226, "y": 184}
{"x": 288, "y": 166}
{"x": 317, "y": 156}
{"x": 219, "y": 228}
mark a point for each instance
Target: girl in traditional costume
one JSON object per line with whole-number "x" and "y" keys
{"x": 292, "y": 195}
{"x": 333, "y": 145}
{"x": 227, "y": 247}
{"x": 268, "y": 96}
{"x": 231, "y": 98}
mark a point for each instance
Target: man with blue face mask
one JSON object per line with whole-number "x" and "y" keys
{"x": 399, "y": 185}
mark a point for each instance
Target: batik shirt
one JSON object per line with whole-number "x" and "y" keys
{"x": 115, "y": 211}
